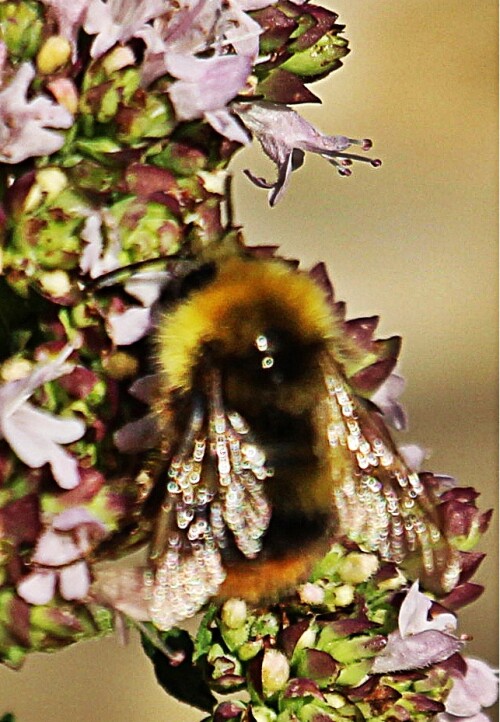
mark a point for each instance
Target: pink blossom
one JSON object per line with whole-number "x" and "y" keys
{"x": 35, "y": 435}
{"x": 476, "y": 689}
{"x": 387, "y": 399}
{"x": 285, "y": 137}
{"x": 413, "y": 615}
{"x": 205, "y": 86}
{"x": 128, "y": 326}
{"x": 419, "y": 642}
{"x": 239, "y": 29}
{"x": 59, "y": 558}
{"x": 198, "y": 26}
{"x": 94, "y": 259}
{"x": 413, "y": 455}
{"x": 116, "y": 21}
{"x": 24, "y": 123}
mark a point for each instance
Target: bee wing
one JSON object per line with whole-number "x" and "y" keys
{"x": 214, "y": 499}
{"x": 379, "y": 502}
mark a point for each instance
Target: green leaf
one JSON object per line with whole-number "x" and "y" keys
{"x": 184, "y": 681}
{"x": 9, "y": 717}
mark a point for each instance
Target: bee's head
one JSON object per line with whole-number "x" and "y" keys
{"x": 260, "y": 322}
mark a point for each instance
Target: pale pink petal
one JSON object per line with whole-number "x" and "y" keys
{"x": 119, "y": 20}
{"x": 413, "y": 455}
{"x": 74, "y": 581}
{"x": 147, "y": 287}
{"x": 206, "y": 84}
{"x": 241, "y": 31}
{"x": 445, "y": 717}
{"x": 13, "y": 394}
{"x": 54, "y": 549}
{"x": 31, "y": 442}
{"x": 130, "y": 326}
{"x": 23, "y": 122}
{"x": 35, "y": 449}
{"x": 191, "y": 25}
{"x": 3, "y": 57}
{"x": 91, "y": 234}
{"x": 62, "y": 430}
{"x": 414, "y": 611}
{"x": 94, "y": 259}
{"x": 38, "y": 587}
{"x": 69, "y": 15}
{"x": 386, "y": 398}
{"x": 224, "y": 123}
{"x": 415, "y": 651}
{"x": 73, "y": 517}
{"x": 479, "y": 688}
{"x": 64, "y": 468}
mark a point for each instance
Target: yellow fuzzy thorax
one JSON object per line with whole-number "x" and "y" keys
{"x": 246, "y": 296}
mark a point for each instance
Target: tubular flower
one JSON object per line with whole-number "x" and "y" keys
{"x": 34, "y": 434}
{"x": 473, "y": 688}
{"x": 285, "y": 137}
{"x": 118, "y": 21}
{"x": 24, "y": 123}
{"x": 59, "y": 558}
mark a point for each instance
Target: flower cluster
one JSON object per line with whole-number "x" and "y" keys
{"x": 356, "y": 642}
{"x": 117, "y": 123}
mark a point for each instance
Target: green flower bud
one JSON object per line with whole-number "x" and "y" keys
{"x": 234, "y": 613}
{"x": 249, "y": 650}
{"x": 344, "y": 595}
{"x": 275, "y": 672}
{"x": 263, "y": 714}
{"x": 357, "y": 567}
{"x": 21, "y": 26}
{"x": 319, "y": 59}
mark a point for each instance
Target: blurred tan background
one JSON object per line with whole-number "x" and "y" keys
{"x": 414, "y": 241}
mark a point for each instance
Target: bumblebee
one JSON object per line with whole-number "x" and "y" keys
{"x": 268, "y": 453}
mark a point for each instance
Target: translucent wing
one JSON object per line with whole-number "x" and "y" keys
{"x": 380, "y": 504}
{"x": 214, "y": 498}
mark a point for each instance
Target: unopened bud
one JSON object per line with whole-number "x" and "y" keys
{"x": 310, "y": 593}
{"x": 55, "y": 283}
{"x": 234, "y": 613}
{"x": 65, "y": 92}
{"x": 51, "y": 181}
{"x": 275, "y": 671}
{"x": 357, "y": 567}
{"x": 54, "y": 53}
{"x": 344, "y": 595}
{"x": 15, "y": 368}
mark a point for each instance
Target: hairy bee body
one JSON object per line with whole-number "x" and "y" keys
{"x": 271, "y": 454}
{"x": 268, "y": 453}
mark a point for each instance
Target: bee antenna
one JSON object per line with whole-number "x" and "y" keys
{"x": 229, "y": 207}
{"x": 176, "y": 266}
